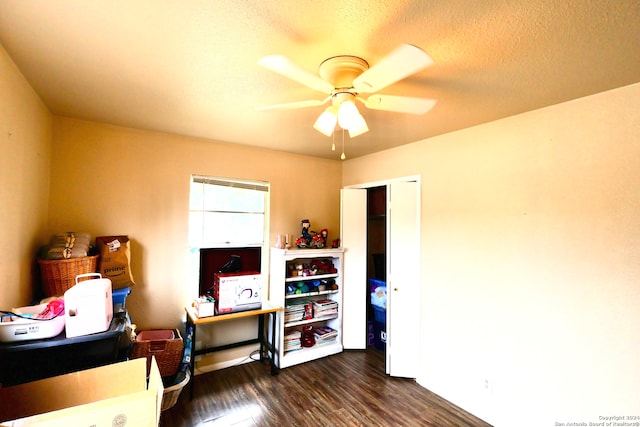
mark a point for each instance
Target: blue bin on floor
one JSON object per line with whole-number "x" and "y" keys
{"x": 380, "y": 314}
{"x": 378, "y": 292}
{"x": 380, "y": 327}
{"x": 380, "y": 335}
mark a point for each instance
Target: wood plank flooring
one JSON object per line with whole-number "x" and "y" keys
{"x": 347, "y": 389}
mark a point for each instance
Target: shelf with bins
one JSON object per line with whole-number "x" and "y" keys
{"x": 308, "y": 283}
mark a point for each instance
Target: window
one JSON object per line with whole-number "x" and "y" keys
{"x": 225, "y": 212}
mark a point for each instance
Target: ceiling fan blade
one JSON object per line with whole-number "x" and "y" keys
{"x": 399, "y": 104}
{"x": 402, "y": 62}
{"x": 292, "y": 105}
{"x": 281, "y": 65}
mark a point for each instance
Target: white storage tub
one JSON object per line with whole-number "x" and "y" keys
{"x": 23, "y": 329}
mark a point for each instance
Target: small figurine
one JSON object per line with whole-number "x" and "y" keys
{"x": 311, "y": 239}
{"x": 320, "y": 240}
{"x": 306, "y": 225}
{"x": 305, "y": 239}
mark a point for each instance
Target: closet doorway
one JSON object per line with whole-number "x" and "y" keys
{"x": 402, "y": 254}
{"x": 376, "y": 299}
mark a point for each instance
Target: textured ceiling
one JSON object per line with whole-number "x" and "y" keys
{"x": 190, "y": 67}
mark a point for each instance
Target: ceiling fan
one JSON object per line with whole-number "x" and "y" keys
{"x": 345, "y": 78}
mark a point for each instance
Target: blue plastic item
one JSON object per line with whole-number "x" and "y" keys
{"x": 374, "y": 283}
{"x": 380, "y": 314}
{"x": 378, "y": 290}
{"x": 380, "y": 336}
{"x": 119, "y": 297}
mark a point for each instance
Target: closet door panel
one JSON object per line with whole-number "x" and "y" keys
{"x": 403, "y": 279}
{"x": 353, "y": 238}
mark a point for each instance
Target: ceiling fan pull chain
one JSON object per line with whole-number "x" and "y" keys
{"x": 333, "y": 141}
{"x": 342, "y": 156}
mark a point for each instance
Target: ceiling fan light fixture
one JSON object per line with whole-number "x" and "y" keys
{"x": 359, "y": 130}
{"x": 349, "y": 118}
{"x": 326, "y": 122}
{"x": 348, "y": 115}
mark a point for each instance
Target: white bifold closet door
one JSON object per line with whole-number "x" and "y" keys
{"x": 403, "y": 275}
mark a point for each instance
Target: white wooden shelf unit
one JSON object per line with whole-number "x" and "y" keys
{"x": 283, "y": 262}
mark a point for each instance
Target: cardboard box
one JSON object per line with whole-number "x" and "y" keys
{"x": 203, "y": 308}
{"x": 235, "y": 292}
{"x": 111, "y": 395}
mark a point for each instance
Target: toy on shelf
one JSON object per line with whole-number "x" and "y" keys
{"x": 311, "y": 239}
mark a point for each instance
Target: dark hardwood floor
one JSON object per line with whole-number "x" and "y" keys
{"x": 347, "y": 389}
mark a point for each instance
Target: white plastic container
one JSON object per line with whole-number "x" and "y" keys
{"x": 21, "y": 329}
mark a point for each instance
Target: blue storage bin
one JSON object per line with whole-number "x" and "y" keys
{"x": 380, "y": 314}
{"x": 119, "y": 297}
{"x": 378, "y": 289}
{"x": 380, "y": 335}
{"x": 374, "y": 283}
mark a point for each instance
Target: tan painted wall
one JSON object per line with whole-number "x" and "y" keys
{"x": 25, "y": 153}
{"x": 530, "y": 260}
{"x": 110, "y": 180}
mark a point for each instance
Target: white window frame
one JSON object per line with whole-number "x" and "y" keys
{"x": 194, "y": 249}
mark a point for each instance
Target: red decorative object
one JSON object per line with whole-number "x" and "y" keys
{"x": 311, "y": 239}
{"x": 308, "y": 339}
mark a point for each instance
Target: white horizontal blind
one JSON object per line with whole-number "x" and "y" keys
{"x": 227, "y": 212}
{"x": 249, "y": 185}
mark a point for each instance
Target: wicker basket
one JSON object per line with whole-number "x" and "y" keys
{"x": 58, "y": 276}
{"x": 171, "y": 393}
{"x": 165, "y": 344}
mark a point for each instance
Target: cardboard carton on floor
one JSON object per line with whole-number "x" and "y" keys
{"x": 111, "y": 395}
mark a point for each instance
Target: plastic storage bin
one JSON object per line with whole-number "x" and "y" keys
{"x": 380, "y": 335}
{"x": 37, "y": 359}
{"x": 119, "y": 297}
{"x": 165, "y": 344}
{"x": 380, "y": 327}
{"x": 24, "y": 329}
{"x": 380, "y": 314}
{"x": 378, "y": 290}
